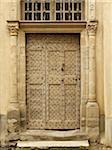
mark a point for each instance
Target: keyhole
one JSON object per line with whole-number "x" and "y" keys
{"x": 63, "y": 66}
{"x": 62, "y": 69}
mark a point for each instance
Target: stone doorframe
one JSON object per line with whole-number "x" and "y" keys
{"x": 89, "y": 115}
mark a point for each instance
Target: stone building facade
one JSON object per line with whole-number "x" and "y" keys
{"x": 55, "y": 72}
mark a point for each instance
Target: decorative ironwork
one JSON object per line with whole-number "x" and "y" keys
{"x": 41, "y": 10}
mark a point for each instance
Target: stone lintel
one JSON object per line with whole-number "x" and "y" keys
{"x": 53, "y": 26}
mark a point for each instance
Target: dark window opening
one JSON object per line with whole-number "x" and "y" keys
{"x": 28, "y": 16}
{"x": 68, "y": 16}
{"x": 47, "y": 6}
{"x": 37, "y": 16}
{"x": 59, "y": 16}
{"x": 60, "y": 10}
{"x": 28, "y": 6}
{"x": 37, "y": 6}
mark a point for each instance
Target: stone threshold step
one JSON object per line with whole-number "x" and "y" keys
{"x": 51, "y": 135}
{"x": 53, "y": 144}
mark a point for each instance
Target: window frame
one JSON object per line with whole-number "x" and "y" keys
{"x": 52, "y": 12}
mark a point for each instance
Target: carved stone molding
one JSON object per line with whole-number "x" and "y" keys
{"x": 13, "y": 114}
{"x": 92, "y": 108}
{"x": 92, "y": 9}
{"x": 53, "y": 27}
{"x": 13, "y": 27}
{"x": 91, "y": 27}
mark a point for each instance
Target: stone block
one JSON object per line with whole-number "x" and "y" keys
{"x": 3, "y": 130}
{"x": 92, "y": 121}
{"x": 13, "y": 114}
{"x": 108, "y": 131}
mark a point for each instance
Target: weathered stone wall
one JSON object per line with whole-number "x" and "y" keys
{"x": 10, "y": 10}
{"x": 107, "y": 41}
{"x": 5, "y": 57}
{"x": 100, "y": 62}
{"x": 104, "y": 67}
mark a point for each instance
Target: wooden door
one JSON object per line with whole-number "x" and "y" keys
{"x": 53, "y": 81}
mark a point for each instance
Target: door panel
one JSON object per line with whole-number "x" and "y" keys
{"x": 53, "y": 81}
{"x": 55, "y": 107}
{"x": 54, "y": 91}
{"x": 35, "y": 67}
{"x": 70, "y": 62}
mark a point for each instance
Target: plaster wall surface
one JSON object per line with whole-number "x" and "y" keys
{"x": 104, "y": 64}
{"x": 107, "y": 40}
{"x": 4, "y": 67}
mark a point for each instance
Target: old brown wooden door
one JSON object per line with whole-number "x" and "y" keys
{"x": 53, "y": 81}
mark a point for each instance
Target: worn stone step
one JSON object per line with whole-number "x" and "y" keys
{"x": 50, "y": 135}
{"x": 53, "y": 144}
{"x": 52, "y": 149}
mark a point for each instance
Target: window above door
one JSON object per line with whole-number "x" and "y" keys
{"x": 53, "y": 10}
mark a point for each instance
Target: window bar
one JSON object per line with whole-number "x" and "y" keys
{"x": 36, "y": 9}
{"x": 69, "y": 10}
{"x": 32, "y": 9}
{"x": 22, "y": 10}
{"x": 64, "y": 10}
{"x": 72, "y": 1}
{"x": 26, "y": 16}
{"x": 27, "y": 9}
{"x": 77, "y": 10}
{"x": 28, "y": 5}
{"x": 55, "y": 11}
{"x": 61, "y": 11}
{"x": 51, "y": 9}
{"x": 44, "y": 11}
{"x": 82, "y": 10}
{"x": 41, "y": 10}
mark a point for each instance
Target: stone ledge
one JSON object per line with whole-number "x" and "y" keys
{"x": 52, "y": 144}
{"x": 53, "y": 27}
{"x": 49, "y": 135}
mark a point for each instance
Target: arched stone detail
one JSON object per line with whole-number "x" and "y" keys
{"x": 91, "y": 10}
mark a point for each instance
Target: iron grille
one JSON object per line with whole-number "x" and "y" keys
{"x": 53, "y": 10}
